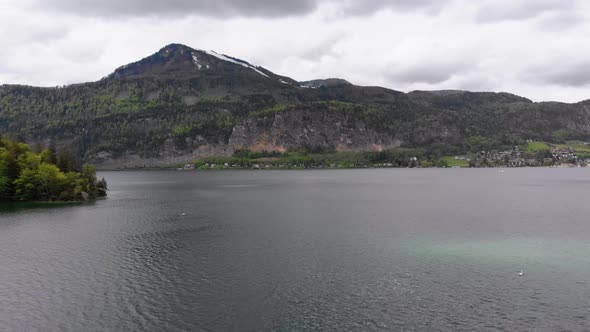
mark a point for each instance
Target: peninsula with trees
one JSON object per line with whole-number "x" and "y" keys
{"x": 46, "y": 176}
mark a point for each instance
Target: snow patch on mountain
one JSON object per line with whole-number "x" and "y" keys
{"x": 228, "y": 59}
{"x": 196, "y": 61}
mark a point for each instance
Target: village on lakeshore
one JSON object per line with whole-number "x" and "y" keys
{"x": 533, "y": 154}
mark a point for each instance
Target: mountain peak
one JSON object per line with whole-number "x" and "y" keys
{"x": 176, "y": 47}
{"x": 181, "y": 61}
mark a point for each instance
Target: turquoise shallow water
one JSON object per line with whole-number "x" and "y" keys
{"x": 529, "y": 254}
{"x": 338, "y": 250}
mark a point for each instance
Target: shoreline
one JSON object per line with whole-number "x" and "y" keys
{"x": 155, "y": 169}
{"x": 51, "y": 203}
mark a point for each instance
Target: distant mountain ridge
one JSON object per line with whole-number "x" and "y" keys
{"x": 180, "y": 104}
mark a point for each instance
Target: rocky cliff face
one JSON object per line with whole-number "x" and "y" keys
{"x": 329, "y": 130}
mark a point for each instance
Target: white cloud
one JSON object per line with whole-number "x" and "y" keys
{"x": 403, "y": 45}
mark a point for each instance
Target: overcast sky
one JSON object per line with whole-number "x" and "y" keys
{"x": 539, "y": 49}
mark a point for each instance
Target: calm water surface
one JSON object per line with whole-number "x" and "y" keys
{"x": 305, "y": 250}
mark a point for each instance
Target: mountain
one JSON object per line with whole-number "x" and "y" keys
{"x": 181, "y": 103}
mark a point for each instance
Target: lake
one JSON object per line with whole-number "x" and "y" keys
{"x": 332, "y": 250}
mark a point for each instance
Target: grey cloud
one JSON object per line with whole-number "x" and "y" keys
{"x": 85, "y": 54}
{"x": 42, "y": 33}
{"x": 355, "y": 7}
{"x": 45, "y": 34}
{"x": 322, "y": 48}
{"x": 230, "y": 8}
{"x": 572, "y": 75}
{"x": 218, "y": 8}
{"x": 561, "y": 21}
{"x": 521, "y": 10}
{"x": 476, "y": 82}
{"x": 430, "y": 74}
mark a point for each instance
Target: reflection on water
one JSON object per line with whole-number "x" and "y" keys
{"x": 6, "y": 208}
{"x": 305, "y": 250}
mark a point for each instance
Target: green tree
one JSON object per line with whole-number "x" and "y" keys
{"x": 5, "y": 188}
{"x": 51, "y": 180}
{"x": 27, "y": 176}
{"x": 27, "y": 186}
{"x": 48, "y": 156}
{"x": 89, "y": 175}
{"x": 67, "y": 162}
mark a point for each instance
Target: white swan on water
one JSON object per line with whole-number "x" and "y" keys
{"x": 521, "y": 273}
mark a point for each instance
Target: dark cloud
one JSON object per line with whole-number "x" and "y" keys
{"x": 571, "y": 75}
{"x": 218, "y": 8}
{"x": 520, "y": 10}
{"x": 230, "y": 8}
{"x": 430, "y": 73}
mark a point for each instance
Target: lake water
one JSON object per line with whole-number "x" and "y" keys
{"x": 395, "y": 249}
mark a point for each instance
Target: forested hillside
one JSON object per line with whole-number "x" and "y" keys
{"x": 181, "y": 104}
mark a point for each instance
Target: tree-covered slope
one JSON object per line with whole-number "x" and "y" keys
{"x": 181, "y": 103}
